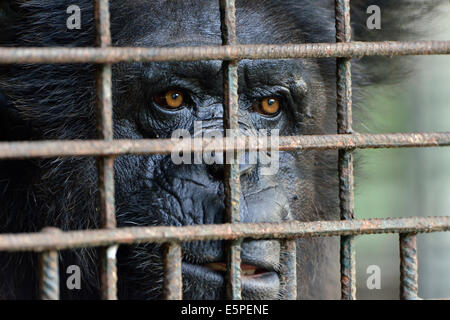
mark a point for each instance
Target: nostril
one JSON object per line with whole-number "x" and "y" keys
{"x": 245, "y": 161}
{"x": 217, "y": 171}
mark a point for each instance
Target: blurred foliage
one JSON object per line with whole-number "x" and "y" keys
{"x": 407, "y": 182}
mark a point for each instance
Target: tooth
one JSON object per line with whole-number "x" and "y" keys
{"x": 249, "y": 272}
{"x": 216, "y": 267}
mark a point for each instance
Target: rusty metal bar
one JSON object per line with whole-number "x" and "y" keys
{"x": 49, "y": 275}
{"x": 289, "y": 269}
{"x": 173, "y": 284}
{"x": 49, "y": 270}
{"x": 345, "y": 162}
{"x": 57, "y": 55}
{"x": 409, "y": 283}
{"x": 108, "y": 272}
{"x": 69, "y": 148}
{"x": 105, "y": 165}
{"x": 348, "y": 268}
{"x": 102, "y": 23}
{"x": 232, "y": 187}
{"x": 163, "y": 234}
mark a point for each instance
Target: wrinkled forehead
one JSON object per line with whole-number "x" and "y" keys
{"x": 197, "y": 22}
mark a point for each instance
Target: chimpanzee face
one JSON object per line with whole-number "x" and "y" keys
{"x": 152, "y": 100}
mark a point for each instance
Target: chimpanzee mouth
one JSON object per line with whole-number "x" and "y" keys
{"x": 247, "y": 270}
{"x": 257, "y": 282}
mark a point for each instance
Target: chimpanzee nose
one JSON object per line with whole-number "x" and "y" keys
{"x": 217, "y": 170}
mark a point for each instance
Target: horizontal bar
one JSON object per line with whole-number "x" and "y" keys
{"x": 235, "y": 52}
{"x": 173, "y": 284}
{"x": 162, "y": 234}
{"x": 69, "y": 148}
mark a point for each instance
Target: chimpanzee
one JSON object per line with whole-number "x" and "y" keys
{"x": 150, "y": 101}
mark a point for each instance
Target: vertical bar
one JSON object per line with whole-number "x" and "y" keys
{"x": 49, "y": 275}
{"x": 108, "y": 273}
{"x": 232, "y": 176}
{"x": 49, "y": 272}
{"x": 345, "y": 162}
{"x": 105, "y": 165}
{"x": 408, "y": 267}
{"x": 289, "y": 269}
{"x": 173, "y": 285}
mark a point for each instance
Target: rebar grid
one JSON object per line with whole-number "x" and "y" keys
{"x": 108, "y": 238}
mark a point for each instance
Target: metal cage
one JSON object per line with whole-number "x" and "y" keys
{"x": 49, "y": 241}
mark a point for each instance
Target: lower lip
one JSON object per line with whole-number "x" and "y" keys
{"x": 216, "y": 278}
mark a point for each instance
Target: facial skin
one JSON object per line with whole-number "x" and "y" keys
{"x": 193, "y": 194}
{"x": 152, "y": 190}
{"x": 58, "y": 102}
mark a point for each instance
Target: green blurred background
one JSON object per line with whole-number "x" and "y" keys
{"x": 407, "y": 182}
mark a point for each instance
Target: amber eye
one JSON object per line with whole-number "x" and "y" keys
{"x": 171, "y": 99}
{"x": 268, "y": 106}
